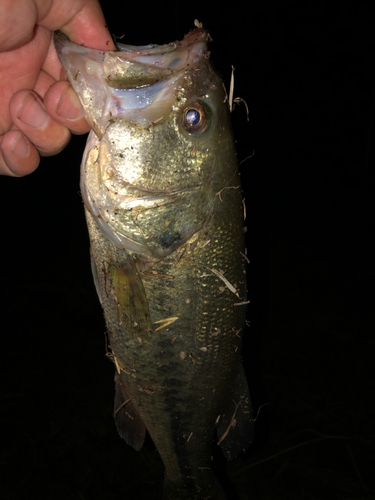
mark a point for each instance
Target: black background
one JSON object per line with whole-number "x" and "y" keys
{"x": 306, "y": 72}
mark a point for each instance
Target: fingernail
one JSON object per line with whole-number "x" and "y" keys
{"x": 32, "y": 112}
{"x": 69, "y": 106}
{"x": 20, "y": 146}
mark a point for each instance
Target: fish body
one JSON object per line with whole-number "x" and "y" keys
{"x": 163, "y": 204}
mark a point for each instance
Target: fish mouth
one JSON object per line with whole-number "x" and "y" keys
{"x": 137, "y": 83}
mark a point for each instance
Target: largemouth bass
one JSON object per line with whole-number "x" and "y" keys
{"x": 163, "y": 202}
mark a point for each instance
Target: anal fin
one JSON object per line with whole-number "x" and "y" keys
{"x": 129, "y": 424}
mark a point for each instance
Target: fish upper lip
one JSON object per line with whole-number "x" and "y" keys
{"x": 194, "y": 36}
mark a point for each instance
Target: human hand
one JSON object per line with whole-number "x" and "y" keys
{"x": 38, "y": 110}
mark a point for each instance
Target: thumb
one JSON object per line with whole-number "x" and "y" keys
{"x": 81, "y": 20}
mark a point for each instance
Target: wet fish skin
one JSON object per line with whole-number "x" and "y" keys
{"x": 164, "y": 211}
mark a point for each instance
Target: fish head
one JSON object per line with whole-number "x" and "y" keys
{"x": 160, "y": 139}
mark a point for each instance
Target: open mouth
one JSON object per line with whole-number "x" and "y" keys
{"x": 137, "y": 83}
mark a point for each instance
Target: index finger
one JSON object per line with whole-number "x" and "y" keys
{"x": 81, "y": 20}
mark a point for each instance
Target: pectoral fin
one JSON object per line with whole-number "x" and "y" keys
{"x": 235, "y": 430}
{"x": 132, "y": 301}
{"x": 128, "y": 423}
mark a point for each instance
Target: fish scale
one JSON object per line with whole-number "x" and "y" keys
{"x": 164, "y": 211}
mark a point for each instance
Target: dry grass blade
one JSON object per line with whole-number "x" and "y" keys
{"x": 231, "y": 90}
{"x": 224, "y": 279}
{"x": 166, "y": 322}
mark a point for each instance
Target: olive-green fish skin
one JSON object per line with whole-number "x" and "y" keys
{"x": 170, "y": 273}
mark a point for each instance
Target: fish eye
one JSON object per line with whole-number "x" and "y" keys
{"x": 195, "y": 118}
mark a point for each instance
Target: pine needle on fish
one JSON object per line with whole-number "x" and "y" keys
{"x": 166, "y": 321}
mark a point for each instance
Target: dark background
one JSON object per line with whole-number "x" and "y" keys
{"x": 306, "y": 72}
